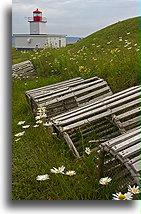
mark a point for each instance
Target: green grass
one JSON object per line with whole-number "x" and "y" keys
{"x": 38, "y": 150}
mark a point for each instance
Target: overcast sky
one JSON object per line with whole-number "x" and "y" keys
{"x": 73, "y": 17}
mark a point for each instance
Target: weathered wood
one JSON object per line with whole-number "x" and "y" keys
{"x": 70, "y": 90}
{"x": 71, "y": 145}
{"x": 126, "y": 149}
{"x": 121, "y": 111}
{"x": 23, "y": 69}
{"x": 79, "y": 92}
{"x": 106, "y": 101}
{"x": 55, "y": 86}
{"x": 101, "y": 106}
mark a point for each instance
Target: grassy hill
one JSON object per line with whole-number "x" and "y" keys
{"x": 111, "y": 53}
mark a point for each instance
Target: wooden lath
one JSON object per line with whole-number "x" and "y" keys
{"x": 68, "y": 95}
{"x": 23, "y": 69}
{"x": 107, "y": 118}
{"x": 125, "y": 149}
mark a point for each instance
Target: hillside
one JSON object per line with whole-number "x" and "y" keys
{"x": 112, "y": 34}
{"x": 111, "y": 53}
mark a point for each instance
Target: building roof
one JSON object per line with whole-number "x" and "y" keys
{"x": 37, "y": 11}
{"x": 40, "y": 35}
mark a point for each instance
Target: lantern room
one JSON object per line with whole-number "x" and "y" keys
{"x": 37, "y": 23}
{"x": 37, "y": 15}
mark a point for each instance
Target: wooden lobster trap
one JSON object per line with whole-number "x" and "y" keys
{"x": 67, "y": 95}
{"x": 119, "y": 158}
{"x": 23, "y": 70}
{"x": 89, "y": 125}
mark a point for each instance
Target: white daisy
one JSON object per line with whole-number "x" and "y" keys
{"x": 21, "y": 122}
{"x": 59, "y": 170}
{"x": 43, "y": 115}
{"x": 17, "y": 139}
{"x": 41, "y": 108}
{"x": 41, "y": 112}
{"x": 38, "y": 117}
{"x": 35, "y": 126}
{"x": 47, "y": 124}
{"x": 105, "y": 180}
{"x": 26, "y": 127}
{"x": 120, "y": 196}
{"x": 42, "y": 177}
{"x": 71, "y": 173}
{"x": 19, "y": 134}
{"x": 87, "y": 150}
{"x": 39, "y": 121}
{"x": 134, "y": 190}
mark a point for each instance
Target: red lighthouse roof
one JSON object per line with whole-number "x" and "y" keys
{"x": 37, "y": 11}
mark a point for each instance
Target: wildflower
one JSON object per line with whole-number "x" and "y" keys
{"x": 37, "y": 117}
{"x": 59, "y": 170}
{"x": 114, "y": 51}
{"x": 120, "y": 196}
{"x": 87, "y": 150}
{"x": 134, "y": 190}
{"x": 71, "y": 173}
{"x": 81, "y": 68}
{"x": 19, "y": 134}
{"x": 120, "y": 40}
{"x": 42, "y": 177}
{"x": 105, "y": 181}
{"x": 129, "y": 48}
{"x": 43, "y": 115}
{"x": 25, "y": 127}
{"x": 21, "y": 122}
{"x": 39, "y": 121}
{"x": 128, "y": 33}
{"x": 47, "y": 124}
{"x": 41, "y": 111}
{"x": 35, "y": 126}
{"x": 17, "y": 139}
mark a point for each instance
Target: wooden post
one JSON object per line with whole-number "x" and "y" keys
{"x": 101, "y": 163}
{"x": 71, "y": 145}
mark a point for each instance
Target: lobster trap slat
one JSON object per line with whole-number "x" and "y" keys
{"x": 23, "y": 69}
{"x": 67, "y": 95}
{"x": 117, "y": 114}
{"x": 126, "y": 151}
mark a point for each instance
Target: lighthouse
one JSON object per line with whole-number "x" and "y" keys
{"x": 38, "y": 38}
{"x": 37, "y": 23}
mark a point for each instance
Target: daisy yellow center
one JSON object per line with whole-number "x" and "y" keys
{"x": 121, "y": 197}
{"x": 106, "y": 181}
{"x": 70, "y": 173}
{"x": 134, "y": 191}
{"x": 58, "y": 170}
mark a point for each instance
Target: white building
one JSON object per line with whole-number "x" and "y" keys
{"x": 38, "y": 37}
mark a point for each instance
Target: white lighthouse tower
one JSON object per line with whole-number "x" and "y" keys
{"x": 38, "y": 38}
{"x": 37, "y": 23}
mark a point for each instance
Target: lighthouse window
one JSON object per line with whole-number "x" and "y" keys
{"x": 37, "y": 14}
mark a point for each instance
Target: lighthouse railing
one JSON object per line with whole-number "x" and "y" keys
{"x": 30, "y": 19}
